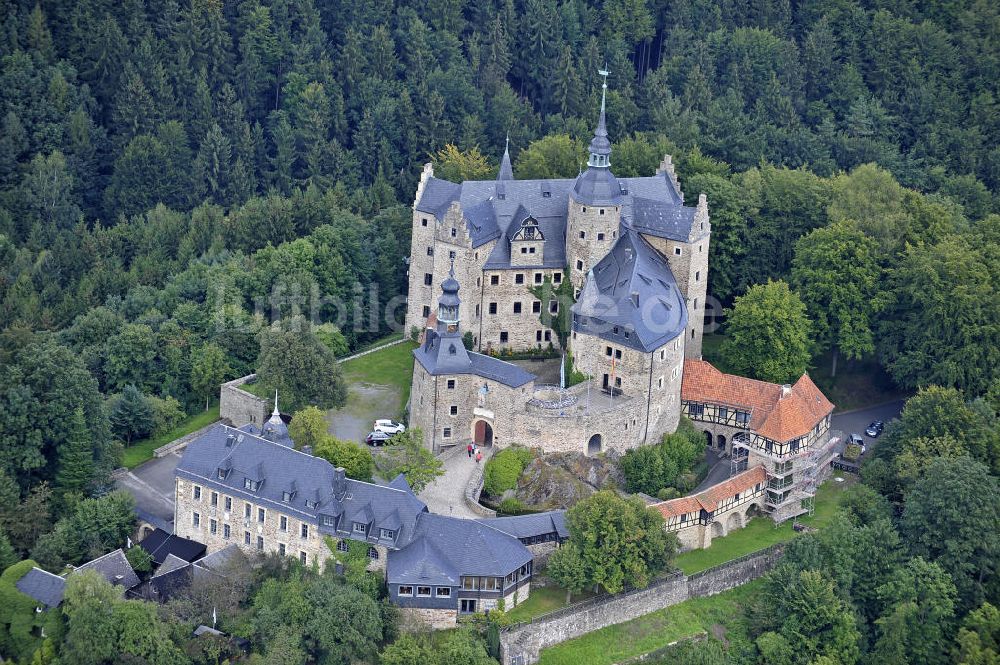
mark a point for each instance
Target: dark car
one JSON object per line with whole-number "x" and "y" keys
{"x": 377, "y": 438}
{"x": 875, "y": 428}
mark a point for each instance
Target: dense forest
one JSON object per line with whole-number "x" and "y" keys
{"x": 175, "y": 176}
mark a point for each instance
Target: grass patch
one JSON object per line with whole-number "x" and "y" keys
{"x": 762, "y": 533}
{"x": 379, "y": 342}
{"x": 389, "y": 367}
{"x": 657, "y": 629}
{"x": 542, "y": 600}
{"x": 141, "y": 451}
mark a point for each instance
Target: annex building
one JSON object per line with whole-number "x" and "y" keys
{"x": 637, "y": 258}
{"x": 251, "y": 488}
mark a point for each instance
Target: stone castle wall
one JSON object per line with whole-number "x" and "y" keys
{"x": 523, "y": 643}
{"x": 239, "y": 407}
{"x": 522, "y": 328}
{"x": 599, "y": 226}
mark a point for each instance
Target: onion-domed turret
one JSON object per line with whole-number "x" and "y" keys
{"x": 448, "y": 304}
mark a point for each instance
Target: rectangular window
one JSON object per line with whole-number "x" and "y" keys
{"x": 519, "y": 278}
{"x": 579, "y": 264}
{"x": 215, "y": 499}
{"x": 470, "y": 583}
{"x": 197, "y": 493}
{"x": 246, "y": 537}
{"x": 286, "y": 497}
{"x": 451, "y": 255}
{"x": 426, "y": 311}
{"x": 281, "y": 549}
{"x": 304, "y": 531}
{"x": 493, "y": 308}
{"x": 557, "y": 277}
{"x": 329, "y": 520}
{"x": 260, "y": 542}
{"x": 536, "y": 307}
{"x": 196, "y": 520}
{"x": 444, "y": 592}
{"x": 404, "y": 591}
{"x": 600, "y": 236}
{"x": 697, "y": 275}
{"x": 677, "y": 251}
{"x": 601, "y": 211}
{"x": 723, "y": 413}
{"x": 539, "y": 277}
{"x": 503, "y": 336}
{"x": 386, "y": 533}
{"x": 261, "y": 514}
{"x": 428, "y": 279}
{"x": 468, "y": 606}
{"x": 453, "y": 410}
{"x": 225, "y": 531}
{"x": 423, "y": 221}
{"x": 494, "y": 280}
{"x": 553, "y": 307}
{"x": 446, "y": 432}
{"x": 517, "y": 308}
{"x": 303, "y": 558}
{"x": 246, "y": 511}
{"x": 283, "y": 523}
{"x": 229, "y": 503}
{"x": 454, "y": 232}
{"x": 213, "y": 527}
{"x": 423, "y": 592}
{"x": 548, "y": 335}
{"x": 618, "y": 354}
{"x": 360, "y": 527}
{"x": 538, "y": 335}
{"x": 608, "y": 351}
{"x": 451, "y": 384}
{"x": 430, "y": 251}
{"x": 583, "y": 235}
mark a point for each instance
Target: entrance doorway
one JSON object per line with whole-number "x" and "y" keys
{"x": 594, "y": 445}
{"x": 722, "y": 442}
{"x": 483, "y": 433}
{"x": 708, "y": 437}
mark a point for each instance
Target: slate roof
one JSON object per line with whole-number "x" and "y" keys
{"x": 527, "y": 526}
{"x": 447, "y": 548}
{"x": 160, "y": 544}
{"x": 113, "y": 567}
{"x": 280, "y": 468}
{"x": 42, "y": 586}
{"x": 632, "y": 290}
{"x": 170, "y": 564}
{"x": 710, "y": 499}
{"x": 442, "y": 354}
{"x": 773, "y": 414}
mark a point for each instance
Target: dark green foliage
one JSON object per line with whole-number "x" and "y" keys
{"x": 651, "y": 469}
{"x": 300, "y": 367}
{"x": 504, "y": 468}
{"x": 406, "y": 454}
{"x": 140, "y": 560}
{"x": 17, "y": 614}
{"x": 95, "y": 527}
{"x": 76, "y": 460}
{"x": 131, "y": 415}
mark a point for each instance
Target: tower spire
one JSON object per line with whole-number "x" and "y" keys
{"x": 600, "y": 146}
{"x": 448, "y": 303}
{"x": 275, "y": 415}
{"x": 506, "y": 172}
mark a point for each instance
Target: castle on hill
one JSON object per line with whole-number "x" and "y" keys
{"x": 637, "y": 257}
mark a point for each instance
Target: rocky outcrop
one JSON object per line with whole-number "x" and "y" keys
{"x": 562, "y": 479}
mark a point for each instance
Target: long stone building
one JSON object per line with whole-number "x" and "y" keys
{"x": 637, "y": 258}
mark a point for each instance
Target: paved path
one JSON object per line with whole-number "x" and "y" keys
{"x": 152, "y": 485}
{"x": 446, "y": 495}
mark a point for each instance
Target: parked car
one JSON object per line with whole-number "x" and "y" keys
{"x": 377, "y": 438}
{"x": 875, "y": 428}
{"x": 388, "y": 426}
{"x": 855, "y": 439}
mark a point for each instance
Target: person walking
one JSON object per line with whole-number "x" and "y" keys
{"x": 469, "y": 448}
{"x": 479, "y": 456}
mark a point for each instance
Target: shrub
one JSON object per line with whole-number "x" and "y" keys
{"x": 511, "y": 506}
{"x": 167, "y": 413}
{"x": 504, "y": 469}
{"x": 667, "y": 493}
{"x": 669, "y": 463}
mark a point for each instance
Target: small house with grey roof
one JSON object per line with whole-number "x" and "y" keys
{"x": 238, "y": 488}
{"x": 637, "y": 259}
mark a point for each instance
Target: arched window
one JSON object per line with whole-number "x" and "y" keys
{"x": 373, "y": 554}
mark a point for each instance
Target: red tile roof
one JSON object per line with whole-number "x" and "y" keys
{"x": 775, "y": 413}
{"x": 713, "y": 496}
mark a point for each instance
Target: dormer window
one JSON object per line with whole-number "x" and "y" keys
{"x": 360, "y": 527}
{"x": 223, "y": 473}
{"x": 329, "y": 520}
{"x": 310, "y": 504}
{"x": 286, "y": 497}
{"x": 386, "y": 533}
{"x": 252, "y": 485}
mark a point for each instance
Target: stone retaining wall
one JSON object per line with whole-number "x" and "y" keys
{"x": 180, "y": 443}
{"x": 521, "y": 644}
{"x": 475, "y": 488}
{"x": 239, "y": 407}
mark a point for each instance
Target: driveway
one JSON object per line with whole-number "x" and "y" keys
{"x": 366, "y": 402}
{"x": 152, "y": 485}
{"x": 855, "y": 422}
{"x": 446, "y": 495}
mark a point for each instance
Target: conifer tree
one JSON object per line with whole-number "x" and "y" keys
{"x": 76, "y": 460}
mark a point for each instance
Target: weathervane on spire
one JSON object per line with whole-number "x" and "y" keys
{"x": 600, "y": 147}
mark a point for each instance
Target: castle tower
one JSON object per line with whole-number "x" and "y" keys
{"x": 594, "y": 204}
{"x": 448, "y": 305}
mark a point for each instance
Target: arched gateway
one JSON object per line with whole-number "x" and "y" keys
{"x": 483, "y": 433}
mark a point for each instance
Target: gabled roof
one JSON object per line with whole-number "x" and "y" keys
{"x": 446, "y": 548}
{"x": 710, "y": 499}
{"x": 528, "y": 526}
{"x": 281, "y": 466}
{"x": 631, "y": 289}
{"x": 170, "y": 564}
{"x": 444, "y": 354}
{"x": 113, "y": 567}
{"x": 42, "y": 586}
{"x": 776, "y": 412}
{"x": 161, "y": 544}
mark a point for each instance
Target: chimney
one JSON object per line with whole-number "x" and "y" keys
{"x": 230, "y": 440}
{"x": 339, "y": 480}
{"x": 786, "y": 390}
{"x": 635, "y": 299}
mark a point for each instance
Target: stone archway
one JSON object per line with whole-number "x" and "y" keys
{"x": 594, "y": 445}
{"x": 482, "y": 433}
{"x": 718, "y": 531}
{"x": 720, "y": 442}
{"x": 709, "y": 438}
{"x": 751, "y": 512}
{"x": 733, "y": 522}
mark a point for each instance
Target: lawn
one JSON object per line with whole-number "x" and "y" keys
{"x": 389, "y": 367}
{"x": 762, "y": 532}
{"x": 656, "y": 630}
{"x": 544, "y": 599}
{"x": 141, "y": 451}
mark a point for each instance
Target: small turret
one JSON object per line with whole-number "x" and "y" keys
{"x": 448, "y": 304}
